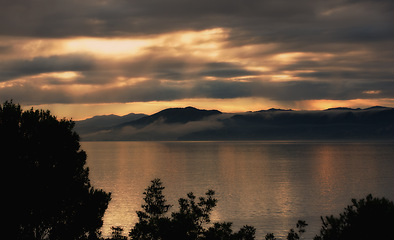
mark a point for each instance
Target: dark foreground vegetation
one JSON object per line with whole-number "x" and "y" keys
{"x": 190, "y": 222}
{"x": 49, "y": 195}
{"x": 367, "y": 218}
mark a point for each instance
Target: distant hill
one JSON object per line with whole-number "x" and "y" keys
{"x": 173, "y": 115}
{"x": 339, "y": 124}
{"x": 99, "y": 123}
{"x": 356, "y": 109}
{"x": 342, "y": 109}
{"x": 376, "y": 123}
{"x": 274, "y": 110}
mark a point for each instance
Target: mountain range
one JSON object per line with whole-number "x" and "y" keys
{"x": 375, "y": 123}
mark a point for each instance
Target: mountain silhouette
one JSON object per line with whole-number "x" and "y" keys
{"x": 377, "y": 108}
{"x": 275, "y": 110}
{"x": 342, "y": 109}
{"x": 173, "y": 115}
{"x": 99, "y": 123}
{"x": 375, "y": 123}
{"x": 340, "y": 124}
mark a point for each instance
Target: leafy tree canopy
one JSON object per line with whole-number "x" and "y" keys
{"x": 190, "y": 222}
{"x": 49, "y": 189}
{"x": 367, "y": 218}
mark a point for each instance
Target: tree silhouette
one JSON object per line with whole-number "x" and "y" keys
{"x": 49, "y": 190}
{"x": 293, "y": 235}
{"x": 152, "y": 222}
{"x": 188, "y": 223}
{"x": 368, "y": 218}
{"x": 117, "y": 234}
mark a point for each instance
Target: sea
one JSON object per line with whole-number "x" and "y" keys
{"x": 268, "y": 185}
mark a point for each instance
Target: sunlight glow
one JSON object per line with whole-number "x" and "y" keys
{"x": 64, "y": 76}
{"x": 106, "y": 46}
{"x": 206, "y": 44}
{"x": 352, "y": 103}
{"x": 124, "y": 81}
{"x": 13, "y": 83}
{"x": 289, "y": 57}
{"x": 194, "y": 41}
{"x": 281, "y": 78}
{"x": 372, "y": 92}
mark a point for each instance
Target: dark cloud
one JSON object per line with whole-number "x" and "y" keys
{"x": 34, "y": 94}
{"x": 304, "y": 25}
{"x": 104, "y": 70}
{"x": 225, "y": 70}
{"x": 150, "y": 90}
{"x": 174, "y": 78}
{"x": 349, "y": 45}
{"x": 19, "y": 68}
{"x": 250, "y": 20}
{"x": 282, "y": 91}
{"x": 228, "y": 73}
{"x": 153, "y": 90}
{"x": 348, "y": 75}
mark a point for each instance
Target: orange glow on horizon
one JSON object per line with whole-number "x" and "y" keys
{"x": 236, "y": 105}
{"x": 352, "y": 103}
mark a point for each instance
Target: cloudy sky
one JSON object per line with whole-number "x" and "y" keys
{"x": 84, "y": 58}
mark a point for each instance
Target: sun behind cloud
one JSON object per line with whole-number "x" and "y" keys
{"x": 105, "y": 46}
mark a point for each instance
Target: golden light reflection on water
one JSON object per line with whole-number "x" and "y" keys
{"x": 334, "y": 166}
{"x": 267, "y": 185}
{"x": 326, "y": 170}
{"x": 248, "y": 178}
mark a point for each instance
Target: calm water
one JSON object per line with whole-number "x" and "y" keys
{"x": 269, "y": 185}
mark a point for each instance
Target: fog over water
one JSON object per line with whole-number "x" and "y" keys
{"x": 269, "y": 185}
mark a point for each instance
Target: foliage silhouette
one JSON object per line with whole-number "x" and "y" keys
{"x": 270, "y": 236}
{"x": 49, "y": 191}
{"x": 189, "y": 222}
{"x": 368, "y": 218}
{"x": 117, "y": 234}
{"x": 292, "y": 235}
{"x": 152, "y": 222}
{"x": 223, "y": 231}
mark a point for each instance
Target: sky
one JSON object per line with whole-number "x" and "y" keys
{"x": 94, "y": 57}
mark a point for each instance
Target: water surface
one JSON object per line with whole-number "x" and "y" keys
{"x": 269, "y": 185}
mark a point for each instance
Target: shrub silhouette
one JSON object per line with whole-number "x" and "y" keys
{"x": 117, "y": 234}
{"x": 188, "y": 223}
{"x": 292, "y": 234}
{"x": 368, "y": 218}
{"x": 49, "y": 189}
